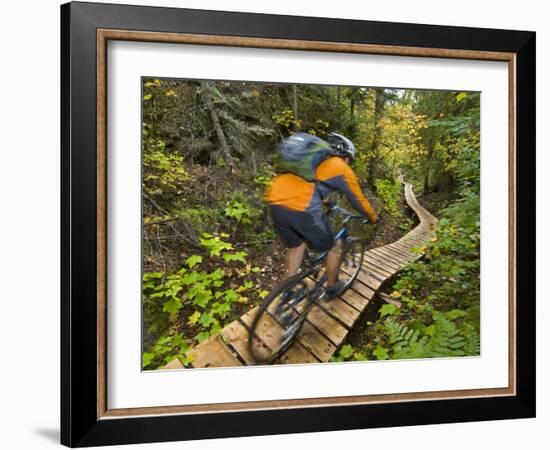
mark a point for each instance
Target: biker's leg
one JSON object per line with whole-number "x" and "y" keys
{"x": 333, "y": 263}
{"x": 294, "y": 257}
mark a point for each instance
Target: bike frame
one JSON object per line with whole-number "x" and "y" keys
{"x": 342, "y": 234}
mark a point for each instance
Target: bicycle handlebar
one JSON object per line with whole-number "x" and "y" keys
{"x": 348, "y": 215}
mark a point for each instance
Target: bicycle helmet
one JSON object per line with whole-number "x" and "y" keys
{"x": 342, "y": 145}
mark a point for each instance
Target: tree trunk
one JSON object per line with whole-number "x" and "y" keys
{"x": 379, "y": 103}
{"x": 352, "y": 108}
{"x": 295, "y": 101}
{"x": 217, "y": 127}
{"x": 336, "y": 113}
{"x": 428, "y": 165}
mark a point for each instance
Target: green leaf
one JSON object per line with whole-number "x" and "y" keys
{"x": 461, "y": 96}
{"x": 206, "y": 319}
{"x": 455, "y": 314}
{"x": 193, "y": 260}
{"x": 194, "y": 318}
{"x": 202, "y": 336}
{"x": 172, "y": 306}
{"x": 231, "y": 296}
{"x": 202, "y": 298}
{"x": 186, "y": 359}
{"x": 381, "y": 353}
{"x": 346, "y": 351}
{"x": 176, "y": 340}
{"x": 152, "y": 275}
{"x": 246, "y": 285}
{"x": 215, "y": 328}
{"x": 430, "y": 331}
{"x": 214, "y": 244}
{"x": 221, "y": 309}
{"x": 190, "y": 278}
{"x": 388, "y": 310}
{"x": 147, "y": 359}
{"x": 218, "y": 274}
{"x": 238, "y": 256}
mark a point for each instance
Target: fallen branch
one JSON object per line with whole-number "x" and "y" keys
{"x": 388, "y": 299}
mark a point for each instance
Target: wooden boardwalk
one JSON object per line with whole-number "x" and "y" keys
{"x": 327, "y": 325}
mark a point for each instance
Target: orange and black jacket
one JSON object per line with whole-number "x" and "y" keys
{"x": 333, "y": 174}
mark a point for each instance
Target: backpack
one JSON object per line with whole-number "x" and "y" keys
{"x": 301, "y": 153}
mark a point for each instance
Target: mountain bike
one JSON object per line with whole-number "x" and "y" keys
{"x": 289, "y": 303}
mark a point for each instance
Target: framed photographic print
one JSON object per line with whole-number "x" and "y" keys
{"x": 278, "y": 224}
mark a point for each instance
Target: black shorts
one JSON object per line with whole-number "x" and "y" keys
{"x": 295, "y": 227}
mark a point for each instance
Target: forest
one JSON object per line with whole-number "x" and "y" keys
{"x": 210, "y": 252}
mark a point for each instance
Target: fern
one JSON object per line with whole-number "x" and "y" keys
{"x": 441, "y": 339}
{"x": 471, "y": 340}
{"x": 446, "y": 340}
{"x": 406, "y": 343}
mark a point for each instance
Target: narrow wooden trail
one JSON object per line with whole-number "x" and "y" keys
{"x": 327, "y": 325}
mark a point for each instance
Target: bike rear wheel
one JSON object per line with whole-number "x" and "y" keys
{"x": 278, "y": 320}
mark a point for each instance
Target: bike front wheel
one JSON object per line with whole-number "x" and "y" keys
{"x": 351, "y": 261}
{"x": 278, "y": 320}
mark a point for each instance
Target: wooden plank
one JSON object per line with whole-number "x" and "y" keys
{"x": 405, "y": 254}
{"x": 374, "y": 272}
{"x": 236, "y": 335}
{"x": 376, "y": 269}
{"x": 359, "y": 283}
{"x": 269, "y": 332}
{"x": 410, "y": 242}
{"x": 315, "y": 342}
{"x": 405, "y": 249}
{"x": 381, "y": 264}
{"x": 369, "y": 280}
{"x": 420, "y": 230}
{"x": 268, "y": 329}
{"x": 411, "y": 255}
{"x": 363, "y": 290}
{"x": 274, "y": 304}
{"x": 408, "y": 238}
{"x": 327, "y": 325}
{"x": 322, "y": 320}
{"x": 387, "y": 260}
{"x": 355, "y": 299}
{"x": 297, "y": 354}
{"x": 396, "y": 257}
{"x": 175, "y": 364}
{"x": 328, "y": 319}
{"x": 341, "y": 310}
{"x": 213, "y": 353}
{"x": 365, "y": 270}
{"x": 424, "y": 232}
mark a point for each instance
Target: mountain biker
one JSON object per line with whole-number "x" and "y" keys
{"x": 298, "y": 214}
